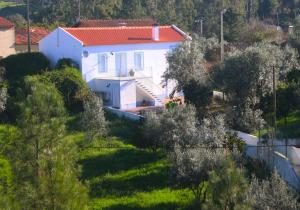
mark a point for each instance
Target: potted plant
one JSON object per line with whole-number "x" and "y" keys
{"x": 131, "y": 73}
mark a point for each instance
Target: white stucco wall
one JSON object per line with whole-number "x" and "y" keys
{"x": 121, "y": 93}
{"x": 155, "y": 63}
{"x": 60, "y": 44}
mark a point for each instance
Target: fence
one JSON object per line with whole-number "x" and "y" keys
{"x": 274, "y": 156}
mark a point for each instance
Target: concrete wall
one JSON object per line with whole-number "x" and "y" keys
{"x": 60, "y": 44}
{"x": 275, "y": 159}
{"x": 7, "y": 42}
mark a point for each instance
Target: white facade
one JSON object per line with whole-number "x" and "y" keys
{"x": 126, "y": 75}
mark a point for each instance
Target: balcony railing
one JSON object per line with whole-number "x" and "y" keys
{"x": 132, "y": 73}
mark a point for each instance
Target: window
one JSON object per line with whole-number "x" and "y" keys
{"x": 102, "y": 63}
{"x": 139, "y": 61}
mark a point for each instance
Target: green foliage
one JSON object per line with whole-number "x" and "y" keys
{"x": 20, "y": 65}
{"x": 234, "y": 22}
{"x": 18, "y": 20}
{"x": 6, "y": 185}
{"x": 43, "y": 163}
{"x": 198, "y": 95}
{"x": 186, "y": 64}
{"x": 66, "y": 62}
{"x": 71, "y": 85}
{"x": 272, "y": 193}
{"x": 93, "y": 119}
{"x": 257, "y": 31}
{"x": 227, "y": 185}
{"x": 247, "y": 76}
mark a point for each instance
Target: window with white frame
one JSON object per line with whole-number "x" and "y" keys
{"x": 139, "y": 61}
{"x": 102, "y": 62}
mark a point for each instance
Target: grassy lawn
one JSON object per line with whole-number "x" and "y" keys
{"x": 127, "y": 177}
{"x": 288, "y": 129}
{"x": 4, "y": 4}
{"x": 292, "y": 129}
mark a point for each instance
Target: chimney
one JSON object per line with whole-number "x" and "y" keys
{"x": 155, "y": 32}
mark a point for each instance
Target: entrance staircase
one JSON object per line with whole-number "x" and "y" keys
{"x": 148, "y": 86}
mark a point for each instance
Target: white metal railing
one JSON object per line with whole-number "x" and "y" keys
{"x": 113, "y": 74}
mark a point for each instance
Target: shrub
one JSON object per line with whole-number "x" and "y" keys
{"x": 16, "y": 67}
{"x": 71, "y": 85}
{"x": 6, "y": 180}
{"x": 23, "y": 64}
{"x": 93, "y": 119}
{"x": 66, "y": 62}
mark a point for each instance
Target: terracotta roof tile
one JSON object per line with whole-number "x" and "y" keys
{"x": 115, "y": 23}
{"x": 124, "y": 35}
{"x": 4, "y": 23}
{"x": 36, "y": 34}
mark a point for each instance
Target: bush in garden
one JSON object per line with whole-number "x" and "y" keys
{"x": 66, "y": 62}
{"x": 71, "y": 85}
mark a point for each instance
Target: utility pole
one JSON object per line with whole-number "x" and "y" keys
{"x": 79, "y": 10}
{"x": 275, "y": 102}
{"x": 277, "y": 15}
{"x": 197, "y": 21}
{"x": 222, "y": 34}
{"x": 201, "y": 27}
{"x": 28, "y": 28}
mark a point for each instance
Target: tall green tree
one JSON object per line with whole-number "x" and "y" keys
{"x": 6, "y": 185}
{"x": 227, "y": 185}
{"x": 43, "y": 161}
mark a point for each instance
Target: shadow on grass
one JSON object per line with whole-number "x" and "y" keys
{"x": 142, "y": 180}
{"x": 120, "y": 160}
{"x": 161, "y": 206}
{"x": 128, "y": 130}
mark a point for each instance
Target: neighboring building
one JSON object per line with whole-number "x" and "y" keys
{"x": 115, "y": 23}
{"x": 124, "y": 64}
{"x": 7, "y": 38}
{"x": 36, "y": 34}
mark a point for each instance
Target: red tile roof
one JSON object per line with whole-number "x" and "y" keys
{"x": 4, "y": 23}
{"x": 115, "y": 23}
{"x": 36, "y": 34}
{"x": 124, "y": 35}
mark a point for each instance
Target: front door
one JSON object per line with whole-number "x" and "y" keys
{"x": 121, "y": 64}
{"x": 116, "y": 97}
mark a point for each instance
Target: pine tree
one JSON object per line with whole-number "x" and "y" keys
{"x": 43, "y": 161}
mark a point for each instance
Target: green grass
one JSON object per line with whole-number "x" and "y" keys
{"x": 131, "y": 178}
{"x": 290, "y": 129}
{"x": 4, "y": 4}
{"x": 124, "y": 176}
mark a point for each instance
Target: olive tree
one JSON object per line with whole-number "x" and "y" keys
{"x": 93, "y": 119}
{"x": 3, "y": 90}
{"x": 187, "y": 69}
{"x": 247, "y": 76}
{"x": 273, "y": 194}
{"x": 195, "y": 147}
{"x": 197, "y": 153}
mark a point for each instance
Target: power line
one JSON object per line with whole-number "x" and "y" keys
{"x": 194, "y": 147}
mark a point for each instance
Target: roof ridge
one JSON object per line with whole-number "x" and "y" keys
{"x": 136, "y": 19}
{"x": 115, "y": 28}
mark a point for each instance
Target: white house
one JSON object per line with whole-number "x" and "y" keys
{"x": 124, "y": 64}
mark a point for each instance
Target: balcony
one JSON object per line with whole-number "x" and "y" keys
{"x": 112, "y": 74}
